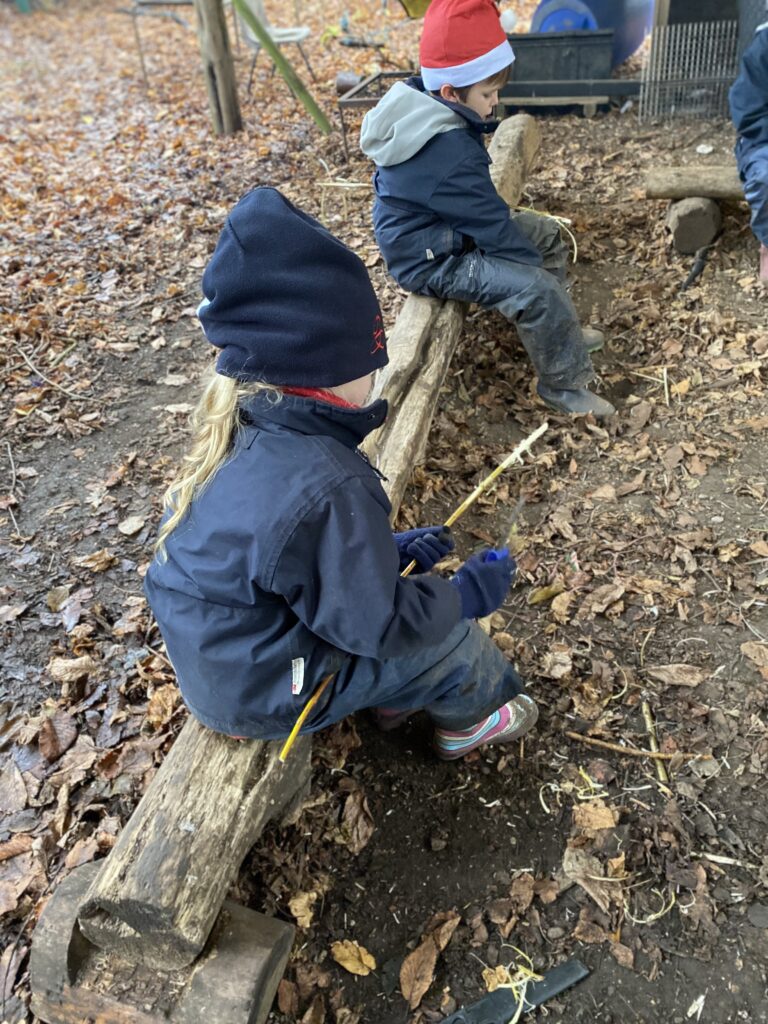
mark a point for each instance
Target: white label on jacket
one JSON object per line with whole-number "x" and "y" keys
{"x": 297, "y": 676}
{"x": 430, "y": 254}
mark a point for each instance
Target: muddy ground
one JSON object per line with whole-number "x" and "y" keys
{"x": 642, "y": 549}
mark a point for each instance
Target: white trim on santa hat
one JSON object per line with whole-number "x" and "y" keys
{"x": 472, "y": 71}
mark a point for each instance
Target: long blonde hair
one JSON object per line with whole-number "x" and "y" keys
{"x": 214, "y": 422}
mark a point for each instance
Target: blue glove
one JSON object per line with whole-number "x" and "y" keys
{"x": 426, "y": 546}
{"x": 483, "y": 582}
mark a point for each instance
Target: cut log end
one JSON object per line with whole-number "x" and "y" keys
{"x": 693, "y": 223}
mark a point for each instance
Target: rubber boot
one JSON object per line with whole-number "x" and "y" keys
{"x": 575, "y": 401}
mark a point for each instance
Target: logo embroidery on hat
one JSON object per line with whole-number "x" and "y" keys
{"x": 378, "y": 336}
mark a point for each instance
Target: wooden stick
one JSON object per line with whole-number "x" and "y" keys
{"x": 650, "y": 726}
{"x": 632, "y": 751}
{"x": 515, "y": 456}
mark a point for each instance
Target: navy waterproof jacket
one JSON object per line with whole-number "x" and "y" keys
{"x": 434, "y": 194}
{"x": 284, "y": 564}
{"x": 749, "y": 96}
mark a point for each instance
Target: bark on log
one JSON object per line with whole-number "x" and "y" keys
{"x": 426, "y": 331}
{"x": 218, "y": 67}
{"x": 157, "y": 896}
{"x": 711, "y": 182}
{"x": 693, "y": 223}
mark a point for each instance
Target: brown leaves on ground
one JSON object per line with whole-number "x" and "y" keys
{"x": 418, "y": 969}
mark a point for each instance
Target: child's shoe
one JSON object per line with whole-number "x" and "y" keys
{"x": 593, "y": 338}
{"x": 388, "y": 719}
{"x": 576, "y": 401}
{"x": 507, "y": 723}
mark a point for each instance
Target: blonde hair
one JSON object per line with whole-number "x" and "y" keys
{"x": 215, "y": 421}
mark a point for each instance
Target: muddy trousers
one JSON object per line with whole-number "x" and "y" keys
{"x": 534, "y": 299}
{"x": 753, "y": 167}
{"x": 457, "y": 682}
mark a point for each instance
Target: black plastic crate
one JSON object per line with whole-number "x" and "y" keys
{"x": 562, "y": 56}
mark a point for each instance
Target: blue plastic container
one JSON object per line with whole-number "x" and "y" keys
{"x": 630, "y": 20}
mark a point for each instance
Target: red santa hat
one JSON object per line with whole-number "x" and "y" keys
{"x": 462, "y": 43}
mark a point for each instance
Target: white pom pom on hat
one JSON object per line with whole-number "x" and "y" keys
{"x": 462, "y": 43}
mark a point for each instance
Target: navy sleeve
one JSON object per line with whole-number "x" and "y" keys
{"x": 749, "y": 93}
{"x": 339, "y": 572}
{"x": 467, "y": 201}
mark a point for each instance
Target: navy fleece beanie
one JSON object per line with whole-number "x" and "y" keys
{"x": 286, "y": 302}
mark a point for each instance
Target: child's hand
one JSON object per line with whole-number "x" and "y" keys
{"x": 426, "y": 546}
{"x": 483, "y": 582}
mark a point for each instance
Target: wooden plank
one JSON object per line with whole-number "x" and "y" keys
{"x": 427, "y": 331}
{"x": 710, "y": 181}
{"x": 162, "y": 885}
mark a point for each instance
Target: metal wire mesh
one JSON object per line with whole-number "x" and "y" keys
{"x": 689, "y": 71}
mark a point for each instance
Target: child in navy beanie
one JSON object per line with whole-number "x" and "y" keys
{"x": 276, "y": 564}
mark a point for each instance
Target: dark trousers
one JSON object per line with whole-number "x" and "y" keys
{"x": 534, "y": 299}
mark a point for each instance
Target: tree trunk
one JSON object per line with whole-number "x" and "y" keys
{"x": 157, "y": 896}
{"x": 218, "y": 67}
{"x": 426, "y": 332}
{"x": 711, "y": 182}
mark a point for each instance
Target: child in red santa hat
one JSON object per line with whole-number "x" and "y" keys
{"x": 442, "y": 227}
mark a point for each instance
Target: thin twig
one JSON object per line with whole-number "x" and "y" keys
{"x": 13, "y": 467}
{"x": 632, "y": 751}
{"x": 31, "y": 365}
{"x": 650, "y": 726}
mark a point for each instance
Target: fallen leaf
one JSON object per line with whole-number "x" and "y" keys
{"x": 678, "y": 675}
{"x": 606, "y": 492}
{"x": 82, "y": 852}
{"x": 494, "y": 977}
{"x": 623, "y": 955}
{"x": 586, "y": 871}
{"x": 302, "y": 907}
{"x": 556, "y": 662}
{"x": 287, "y": 998}
{"x": 357, "y": 825}
{"x": 162, "y": 705}
{"x": 56, "y": 597}
{"x": 522, "y": 891}
{"x": 69, "y": 670}
{"x": 417, "y": 972}
{"x": 560, "y": 605}
{"x": 13, "y": 792}
{"x": 57, "y": 734}
{"x": 671, "y": 457}
{"x": 588, "y": 931}
{"x": 603, "y": 597}
{"x": 11, "y": 612}
{"x": 541, "y": 594}
{"x": 758, "y": 653}
{"x": 441, "y": 927}
{"x": 315, "y": 1013}
{"x": 98, "y": 561}
{"x": 15, "y": 845}
{"x": 131, "y": 526}
{"x": 353, "y": 957}
{"x": 594, "y": 815}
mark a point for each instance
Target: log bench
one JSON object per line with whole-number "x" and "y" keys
{"x": 694, "y": 218}
{"x": 146, "y": 936}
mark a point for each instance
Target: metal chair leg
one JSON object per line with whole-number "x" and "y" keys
{"x": 250, "y": 77}
{"x": 306, "y": 61}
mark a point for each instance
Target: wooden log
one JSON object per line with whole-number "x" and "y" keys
{"x": 710, "y": 181}
{"x": 233, "y": 981}
{"x": 426, "y": 332}
{"x": 693, "y": 223}
{"x": 159, "y": 891}
{"x": 218, "y": 67}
